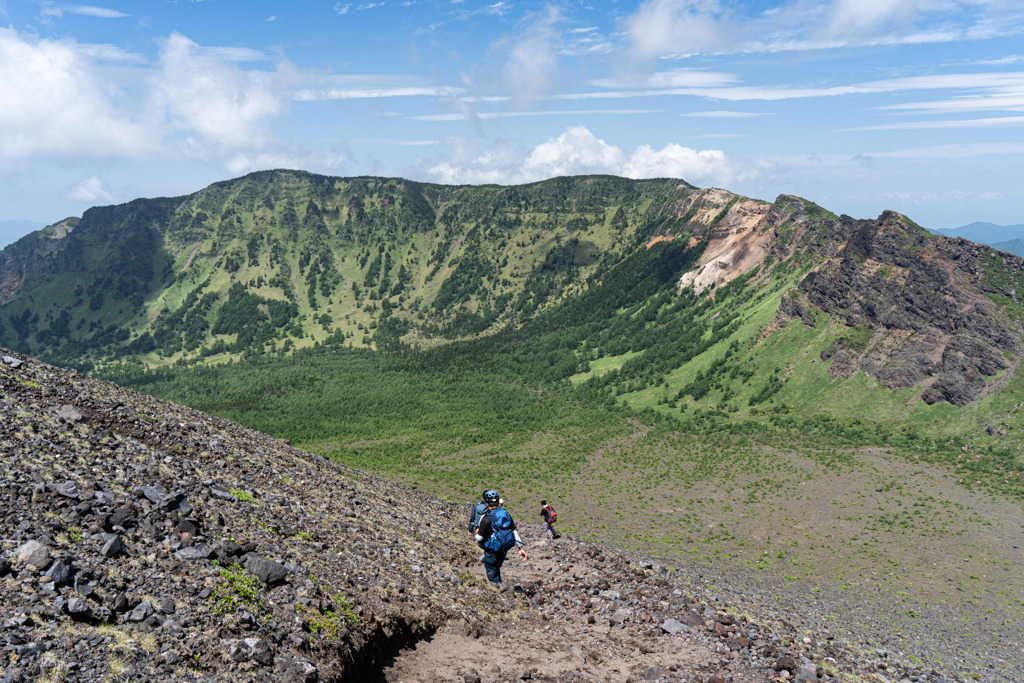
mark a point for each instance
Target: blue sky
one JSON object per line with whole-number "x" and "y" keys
{"x": 858, "y": 105}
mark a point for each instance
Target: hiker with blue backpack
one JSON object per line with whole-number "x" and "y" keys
{"x": 497, "y": 535}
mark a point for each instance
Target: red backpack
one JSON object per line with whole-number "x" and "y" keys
{"x": 551, "y": 511}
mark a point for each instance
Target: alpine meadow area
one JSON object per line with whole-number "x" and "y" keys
{"x": 813, "y": 417}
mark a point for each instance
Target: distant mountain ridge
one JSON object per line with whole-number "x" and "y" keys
{"x": 1006, "y": 237}
{"x": 283, "y": 259}
{"x": 1013, "y": 246}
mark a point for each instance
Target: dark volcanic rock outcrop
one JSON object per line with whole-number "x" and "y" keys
{"x": 925, "y": 300}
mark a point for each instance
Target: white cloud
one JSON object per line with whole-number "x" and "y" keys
{"x": 319, "y": 95}
{"x": 676, "y": 161}
{"x": 857, "y": 17}
{"x": 519, "y": 114}
{"x": 724, "y": 114}
{"x": 238, "y": 54}
{"x": 219, "y": 107}
{"x": 575, "y": 151}
{"x": 680, "y": 28}
{"x": 578, "y": 151}
{"x": 58, "y": 104}
{"x": 1004, "y": 61}
{"x": 957, "y": 151}
{"x": 104, "y": 52}
{"x": 83, "y": 10}
{"x": 78, "y": 102}
{"x": 532, "y": 66}
{"x": 998, "y": 122}
{"x": 993, "y": 91}
{"x": 677, "y": 78}
{"x": 500, "y": 164}
{"x": 677, "y": 27}
{"x": 960, "y": 105}
{"x": 370, "y": 86}
{"x": 399, "y": 143}
{"x": 91, "y": 190}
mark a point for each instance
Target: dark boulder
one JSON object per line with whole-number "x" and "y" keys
{"x": 267, "y": 571}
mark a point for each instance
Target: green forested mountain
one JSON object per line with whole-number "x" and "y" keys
{"x": 656, "y": 290}
{"x": 285, "y": 258}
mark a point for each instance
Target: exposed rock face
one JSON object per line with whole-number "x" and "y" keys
{"x": 924, "y": 297}
{"x": 736, "y": 238}
{"x": 147, "y": 541}
{"x": 932, "y": 319}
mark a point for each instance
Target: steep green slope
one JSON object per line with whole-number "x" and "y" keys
{"x": 288, "y": 258}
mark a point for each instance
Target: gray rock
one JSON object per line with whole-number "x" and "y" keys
{"x": 249, "y": 650}
{"x": 170, "y": 657}
{"x": 60, "y": 572}
{"x": 200, "y": 551}
{"x": 79, "y": 609}
{"x": 222, "y": 493}
{"x": 142, "y": 611}
{"x": 672, "y": 627}
{"x": 34, "y": 553}
{"x": 112, "y": 548}
{"x": 785, "y": 663}
{"x": 267, "y": 571}
{"x": 13, "y": 362}
{"x": 657, "y": 673}
{"x": 68, "y": 490}
{"x": 300, "y": 671}
{"x": 121, "y": 517}
{"x": 171, "y": 626}
{"x": 692, "y": 619}
{"x": 121, "y": 603}
{"x": 155, "y": 493}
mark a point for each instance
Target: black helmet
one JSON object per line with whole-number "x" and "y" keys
{"x": 491, "y": 497}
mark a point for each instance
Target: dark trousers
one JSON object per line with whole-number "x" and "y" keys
{"x": 492, "y": 563}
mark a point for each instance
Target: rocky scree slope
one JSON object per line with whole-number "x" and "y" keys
{"x": 147, "y": 541}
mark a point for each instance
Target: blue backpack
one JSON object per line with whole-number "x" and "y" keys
{"x": 502, "y": 537}
{"x": 479, "y": 510}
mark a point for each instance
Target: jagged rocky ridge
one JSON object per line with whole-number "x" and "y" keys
{"x": 147, "y": 541}
{"x": 923, "y": 300}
